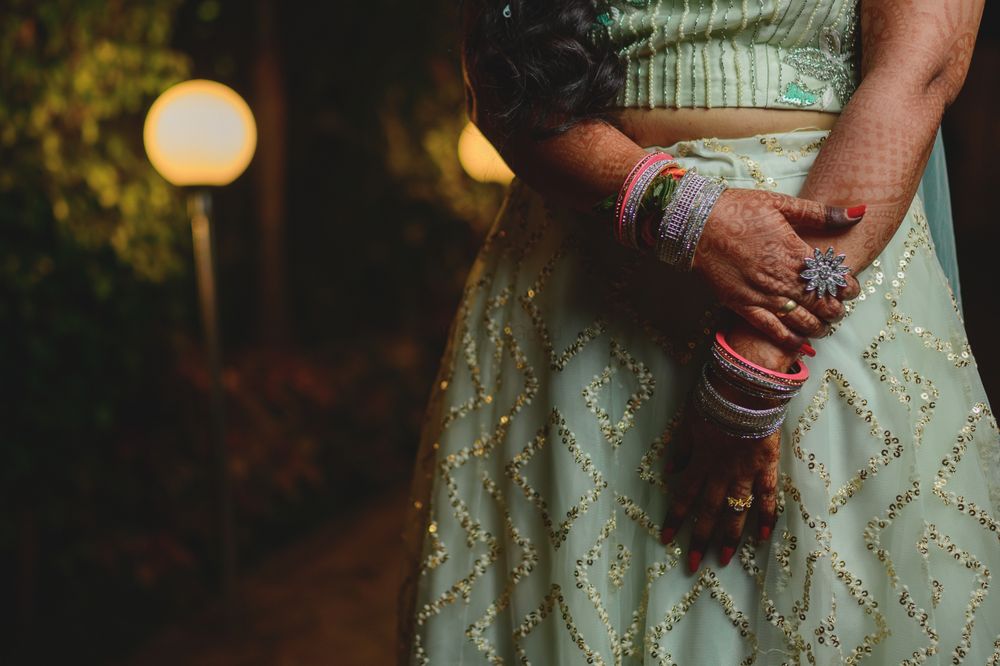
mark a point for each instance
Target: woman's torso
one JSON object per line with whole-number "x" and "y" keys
{"x": 663, "y": 127}
{"x": 785, "y": 54}
{"x": 561, "y": 389}
{"x": 730, "y": 68}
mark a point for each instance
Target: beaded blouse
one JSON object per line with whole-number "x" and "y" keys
{"x": 734, "y": 53}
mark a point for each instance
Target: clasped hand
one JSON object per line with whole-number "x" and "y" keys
{"x": 751, "y": 256}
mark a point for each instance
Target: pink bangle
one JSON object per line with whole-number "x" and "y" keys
{"x": 626, "y": 190}
{"x": 798, "y": 378}
{"x": 622, "y": 191}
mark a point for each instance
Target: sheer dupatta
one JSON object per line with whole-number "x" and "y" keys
{"x": 937, "y": 203}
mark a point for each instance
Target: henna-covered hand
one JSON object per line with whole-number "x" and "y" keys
{"x": 916, "y": 53}
{"x": 915, "y": 57}
{"x": 709, "y": 465}
{"x": 751, "y": 256}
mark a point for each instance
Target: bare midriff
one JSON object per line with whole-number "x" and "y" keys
{"x": 665, "y": 127}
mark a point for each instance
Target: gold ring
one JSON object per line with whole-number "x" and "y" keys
{"x": 739, "y": 504}
{"x": 786, "y": 308}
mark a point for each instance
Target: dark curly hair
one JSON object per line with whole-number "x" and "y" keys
{"x": 539, "y": 66}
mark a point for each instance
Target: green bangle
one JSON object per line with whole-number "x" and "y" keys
{"x": 656, "y": 198}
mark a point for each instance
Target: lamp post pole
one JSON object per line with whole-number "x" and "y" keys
{"x": 198, "y": 134}
{"x": 200, "y": 211}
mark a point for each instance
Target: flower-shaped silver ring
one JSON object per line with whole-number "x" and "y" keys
{"x": 824, "y": 272}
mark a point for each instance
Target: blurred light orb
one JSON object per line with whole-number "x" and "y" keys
{"x": 480, "y": 159}
{"x": 200, "y": 132}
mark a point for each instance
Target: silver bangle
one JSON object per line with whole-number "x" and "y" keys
{"x": 675, "y": 217}
{"x": 752, "y": 377}
{"x": 732, "y": 407}
{"x": 748, "y": 387}
{"x": 684, "y": 218}
{"x": 750, "y": 382}
{"x": 734, "y": 419}
{"x": 698, "y": 217}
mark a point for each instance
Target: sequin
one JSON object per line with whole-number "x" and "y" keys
{"x": 566, "y": 382}
{"x": 830, "y": 63}
{"x": 794, "y": 54}
{"x": 796, "y": 95}
{"x": 606, "y": 19}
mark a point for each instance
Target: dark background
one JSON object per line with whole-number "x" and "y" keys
{"x": 341, "y": 251}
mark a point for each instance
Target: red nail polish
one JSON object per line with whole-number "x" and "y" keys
{"x": 857, "y": 212}
{"x": 807, "y": 349}
{"x": 727, "y": 554}
{"x": 765, "y": 532}
{"x": 667, "y": 535}
{"x": 694, "y": 559}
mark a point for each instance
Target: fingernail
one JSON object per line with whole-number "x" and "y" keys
{"x": 807, "y": 349}
{"x": 727, "y": 554}
{"x": 765, "y": 532}
{"x": 844, "y": 217}
{"x": 694, "y": 559}
{"x": 667, "y": 535}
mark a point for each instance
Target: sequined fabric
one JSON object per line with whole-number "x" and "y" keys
{"x": 539, "y": 492}
{"x": 734, "y": 53}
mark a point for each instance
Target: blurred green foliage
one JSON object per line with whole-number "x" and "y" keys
{"x": 105, "y": 471}
{"x": 88, "y": 226}
{"x": 78, "y": 77}
{"x": 91, "y": 243}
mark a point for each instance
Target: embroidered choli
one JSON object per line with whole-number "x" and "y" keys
{"x": 734, "y": 53}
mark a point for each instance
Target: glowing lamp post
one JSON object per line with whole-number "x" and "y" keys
{"x": 201, "y": 134}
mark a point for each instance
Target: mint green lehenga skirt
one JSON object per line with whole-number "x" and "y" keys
{"x": 539, "y": 495}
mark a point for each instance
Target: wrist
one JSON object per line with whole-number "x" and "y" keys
{"x": 747, "y": 342}
{"x": 662, "y": 208}
{"x": 732, "y": 393}
{"x": 744, "y": 398}
{"x": 708, "y": 231}
{"x": 685, "y": 217}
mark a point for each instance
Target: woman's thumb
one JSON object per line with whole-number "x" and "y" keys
{"x": 806, "y": 214}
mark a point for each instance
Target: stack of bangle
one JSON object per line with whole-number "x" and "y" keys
{"x": 728, "y": 367}
{"x": 632, "y": 198}
{"x": 666, "y": 220}
{"x": 684, "y": 218}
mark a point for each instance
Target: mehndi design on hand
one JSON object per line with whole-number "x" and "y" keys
{"x": 751, "y": 255}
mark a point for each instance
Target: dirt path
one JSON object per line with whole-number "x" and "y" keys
{"x": 329, "y": 599}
